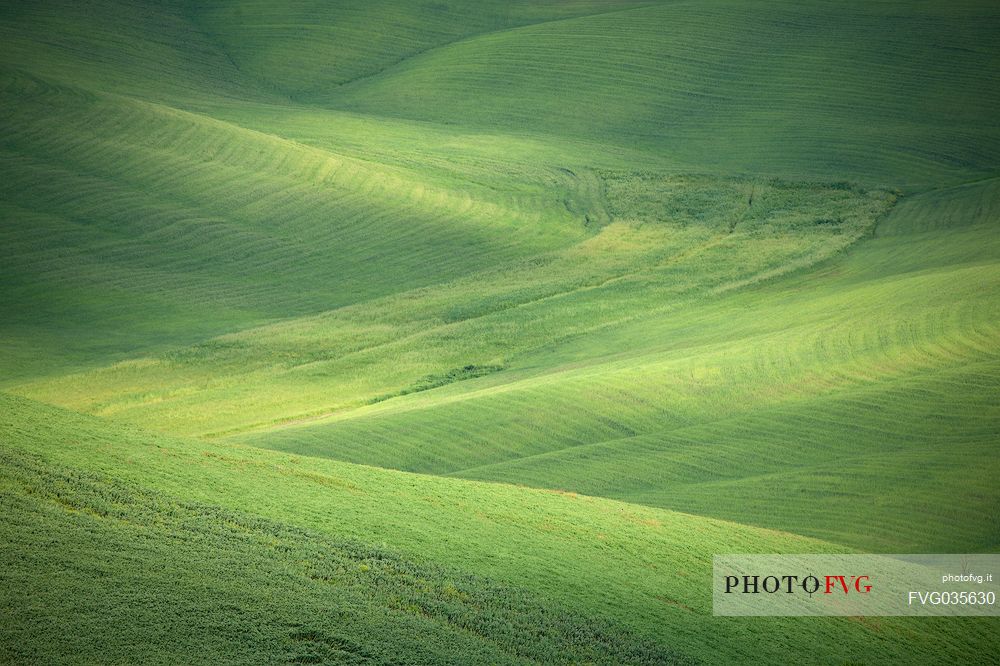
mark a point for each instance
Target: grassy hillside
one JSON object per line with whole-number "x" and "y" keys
{"x": 890, "y": 92}
{"x": 855, "y": 353}
{"x": 252, "y": 591}
{"x": 297, "y": 557}
{"x": 420, "y": 338}
{"x": 347, "y": 42}
{"x": 135, "y": 238}
{"x": 439, "y": 332}
{"x": 844, "y": 383}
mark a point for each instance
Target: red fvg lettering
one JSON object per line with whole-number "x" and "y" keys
{"x": 855, "y": 582}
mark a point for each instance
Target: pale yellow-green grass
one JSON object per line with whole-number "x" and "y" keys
{"x": 638, "y": 264}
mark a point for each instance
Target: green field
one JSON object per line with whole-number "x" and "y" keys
{"x": 467, "y": 332}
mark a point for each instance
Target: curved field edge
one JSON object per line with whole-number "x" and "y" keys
{"x": 725, "y": 86}
{"x": 346, "y": 43}
{"x": 864, "y": 387}
{"x": 183, "y": 582}
{"x": 118, "y": 238}
{"x": 667, "y": 240}
{"x": 644, "y": 569}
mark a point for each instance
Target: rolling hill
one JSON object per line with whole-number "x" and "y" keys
{"x": 285, "y": 558}
{"x": 467, "y": 332}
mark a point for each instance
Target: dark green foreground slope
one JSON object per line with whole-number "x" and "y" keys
{"x": 127, "y": 546}
{"x": 98, "y": 570}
